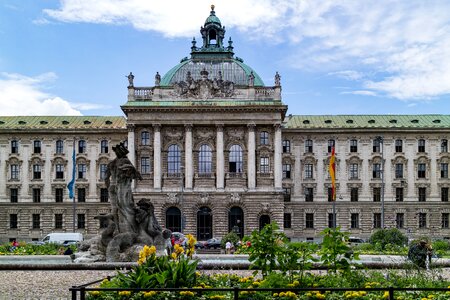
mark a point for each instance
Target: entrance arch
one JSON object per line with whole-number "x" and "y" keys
{"x": 204, "y": 223}
{"x": 173, "y": 219}
{"x": 236, "y": 221}
{"x": 263, "y": 221}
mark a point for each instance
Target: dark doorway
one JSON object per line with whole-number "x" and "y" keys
{"x": 204, "y": 223}
{"x": 173, "y": 219}
{"x": 263, "y": 221}
{"x": 236, "y": 221}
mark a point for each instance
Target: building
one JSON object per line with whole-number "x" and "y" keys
{"x": 217, "y": 153}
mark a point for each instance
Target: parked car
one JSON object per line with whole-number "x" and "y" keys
{"x": 355, "y": 241}
{"x": 199, "y": 245}
{"x": 213, "y": 243}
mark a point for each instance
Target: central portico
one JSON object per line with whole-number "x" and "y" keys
{"x": 206, "y": 139}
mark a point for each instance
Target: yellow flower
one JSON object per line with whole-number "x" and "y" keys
{"x": 275, "y": 295}
{"x": 94, "y": 293}
{"x": 150, "y": 294}
{"x": 386, "y": 295}
{"x": 187, "y": 293}
{"x": 146, "y": 252}
{"x": 217, "y": 297}
{"x": 174, "y": 255}
{"x": 125, "y": 293}
{"x": 178, "y": 249}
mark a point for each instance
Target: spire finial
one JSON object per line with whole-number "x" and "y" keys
{"x": 212, "y": 7}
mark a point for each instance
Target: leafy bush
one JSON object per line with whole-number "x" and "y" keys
{"x": 232, "y": 237}
{"x": 441, "y": 245}
{"x": 381, "y": 237}
{"x": 335, "y": 252}
{"x": 30, "y": 249}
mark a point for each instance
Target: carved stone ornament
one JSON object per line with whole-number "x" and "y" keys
{"x": 265, "y": 207}
{"x": 173, "y": 198}
{"x": 203, "y": 88}
{"x": 204, "y": 198}
{"x": 235, "y": 198}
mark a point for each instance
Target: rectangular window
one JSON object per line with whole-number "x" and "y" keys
{"x": 399, "y": 194}
{"x": 354, "y": 195}
{"x": 376, "y": 171}
{"x": 309, "y": 194}
{"x": 376, "y": 220}
{"x": 264, "y": 138}
{"x": 286, "y": 171}
{"x": 59, "y": 147}
{"x": 58, "y": 221}
{"x": 82, "y": 171}
{"x": 104, "y": 195}
{"x": 308, "y": 171}
{"x": 331, "y": 145}
{"x": 14, "y": 147}
{"x": 36, "y": 219}
{"x": 421, "y": 169}
{"x": 145, "y": 138}
{"x": 444, "y": 170}
{"x": 59, "y": 171}
{"x": 287, "y": 194}
{"x": 444, "y": 194}
{"x": 354, "y": 224}
{"x": 286, "y": 146}
{"x": 353, "y": 171}
{"x": 400, "y": 220}
{"x": 353, "y": 146}
{"x": 330, "y": 194}
{"x": 376, "y": 194}
{"x": 421, "y": 146}
{"x": 36, "y": 171}
{"x": 398, "y": 170}
{"x": 309, "y": 221}
{"x": 444, "y": 145}
{"x": 422, "y": 194}
{"x": 398, "y": 146}
{"x": 81, "y": 195}
{"x": 422, "y": 220}
{"x": 104, "y": 146}
{"x": 376, "y": 146}
{"x": 59, "y": 194}
{"x": 82, "y": 146}
{"x": 287, "y": 221}
{"x": 37, "y": 147}
{"x": 103, "y": 223}
{"x": 13, "y": 221}
{"x": 331, "y": 221}
{"x": 145, "y": 165}
{"x": 36, "y": 195}
{"x": 14, "y": 171}
{"x": 308, "y": 146}
{"x": 14, "y": 195}
{"x": 103, "y": 168}
{"x": 264, "y": 165}
{"x": 445, "y": 220}
{"x": 81, "y": 221}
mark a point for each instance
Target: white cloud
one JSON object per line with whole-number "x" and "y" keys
{"x": 400, "y": 48}
{"x": 25, "y": 96}
{"x": 348, "y": 74}
{"x": 361, "y": 93}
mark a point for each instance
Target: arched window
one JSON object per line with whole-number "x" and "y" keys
{"x": 205, "y": 160}
{"x": 173, "y": 219}
{"x": 235, "y": 160}
{"x": 145, "y": 138}
{"x": 59, "y": 146}
{"x": 263, "y": 221}
{"x": 173, "y": 159}
{"x": 236, "y": 221}
{"x": 104, "y": 146}
{"x": 204, "y": 223}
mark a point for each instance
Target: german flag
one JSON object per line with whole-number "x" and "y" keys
{"x": 332, "y": 169}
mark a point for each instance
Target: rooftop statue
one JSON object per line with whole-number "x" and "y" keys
{"x": 130, "y": 79}
{"x": 130, "y": 226}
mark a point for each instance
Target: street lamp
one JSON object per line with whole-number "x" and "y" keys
{"x": 380, "y": 140}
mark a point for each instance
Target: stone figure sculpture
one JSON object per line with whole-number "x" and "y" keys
{"x": 277, "y": 79}
{"x": 130, "y": 226}
{"x": 251, "y": 79}
{"x": 130, "y": 79}
{"x": 157, "y": 79}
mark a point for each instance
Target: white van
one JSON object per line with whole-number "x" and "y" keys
{"x": 65, "y": 238}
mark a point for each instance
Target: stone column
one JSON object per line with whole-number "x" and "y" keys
{"x": 157, "y": 157}
{"x": 132, "y": 151}
{"x": 189, "y": 176}
{"x": 277, "y": 168}
{"x": 251, "y": 167}
{"x": 220, "y": 161}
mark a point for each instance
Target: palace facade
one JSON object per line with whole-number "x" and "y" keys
{"x": 217, "y": 152}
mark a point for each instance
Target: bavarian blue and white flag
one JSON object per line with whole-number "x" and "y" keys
{"x": 71, "y": 184}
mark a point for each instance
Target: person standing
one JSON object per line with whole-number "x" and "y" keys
{"x": 228, "y": 247}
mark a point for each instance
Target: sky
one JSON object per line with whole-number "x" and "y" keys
{"x": 71, "y": 57}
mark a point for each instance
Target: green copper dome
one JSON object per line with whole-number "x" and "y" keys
{"x": 230, "y": 69}
{"x": 214, "y": 57}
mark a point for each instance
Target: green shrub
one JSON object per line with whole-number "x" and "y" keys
{"x": 232, "y": 237}
{"x": 381, "y": 237}
{"x": 441, "y": 245}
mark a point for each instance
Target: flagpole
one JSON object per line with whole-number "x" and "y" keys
{"x": 332, "y": 171}
{"x": 70, "y": 187}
